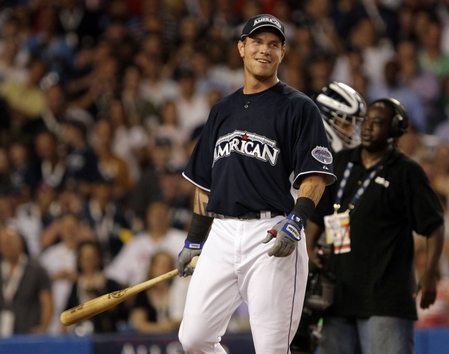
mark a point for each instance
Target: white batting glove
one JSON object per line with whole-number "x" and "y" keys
{"x": 287, "y": 233}
{"x": 190, "y": 250}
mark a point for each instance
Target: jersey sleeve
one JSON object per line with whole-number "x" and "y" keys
{"x": 199, "y": 166}
{"x": 311, "y": 153}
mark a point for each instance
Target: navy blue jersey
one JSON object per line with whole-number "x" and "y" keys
{"x": 255, "y": 148}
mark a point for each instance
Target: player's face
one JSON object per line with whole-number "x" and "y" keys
{"x": 262, "y": 53}
{"x": 346, "y": 127}
{"x": 376, "y": 127}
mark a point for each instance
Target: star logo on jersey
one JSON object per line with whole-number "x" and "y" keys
{"x": 248, "y": 144}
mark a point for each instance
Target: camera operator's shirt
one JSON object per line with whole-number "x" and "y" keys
{"x": 376, "y": 277}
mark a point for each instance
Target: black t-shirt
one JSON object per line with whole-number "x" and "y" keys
{"x": 255, "y": 147}
{"x": 143, "y": 302}
{"x": 377, "y": 276}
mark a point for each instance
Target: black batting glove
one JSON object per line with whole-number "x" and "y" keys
{"x": 190, "y": 250}
{"x": 287, "y": 233}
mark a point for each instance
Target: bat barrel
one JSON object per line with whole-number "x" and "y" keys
{"x": 105, "y": 302}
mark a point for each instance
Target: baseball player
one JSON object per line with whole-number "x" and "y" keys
{"x": 260, "y": 166}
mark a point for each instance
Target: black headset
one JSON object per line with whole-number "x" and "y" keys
{"x": 399, "y": 123}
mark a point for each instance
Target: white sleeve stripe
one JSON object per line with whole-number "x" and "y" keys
{"x": 330, "y": 178}
{"x": 195, "y": 184}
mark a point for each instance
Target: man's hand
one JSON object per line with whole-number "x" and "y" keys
{"x": 190, "y": 250}
{"x": 427, "y": 285}
{"x": 287, "y": 233}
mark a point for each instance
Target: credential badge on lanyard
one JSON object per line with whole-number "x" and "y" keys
{"x": 337, "y": 225}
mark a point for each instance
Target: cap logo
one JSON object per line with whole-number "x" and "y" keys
{"x": 267, "y": 19}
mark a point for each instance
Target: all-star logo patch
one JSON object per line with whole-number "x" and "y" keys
{"x": 322, "y": 154}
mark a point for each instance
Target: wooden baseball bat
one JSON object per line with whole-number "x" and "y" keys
{"x": 105, "y": 302}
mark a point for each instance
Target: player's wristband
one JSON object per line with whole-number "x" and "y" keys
{"x": 303, "y": 208}
{"x": 296, "y": 219}
{"x": 199, "y": 228}
{"x": 193, "y": 245}
{"x": 292, "y": 226}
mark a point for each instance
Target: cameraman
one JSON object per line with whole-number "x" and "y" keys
{"x": 342, "y": 109}
{"x": 382, "y": 198}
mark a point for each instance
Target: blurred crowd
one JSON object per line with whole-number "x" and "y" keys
{"x": 101, "y": 103}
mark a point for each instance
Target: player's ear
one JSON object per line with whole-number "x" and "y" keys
{"x": 241, "y": 48}
{"x": 282, "y": 53}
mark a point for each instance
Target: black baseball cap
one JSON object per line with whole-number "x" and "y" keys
{"x": 261, "y": 21}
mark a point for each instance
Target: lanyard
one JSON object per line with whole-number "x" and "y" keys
{"x": 11, "y": 281}
{"x": 359, "y": 192}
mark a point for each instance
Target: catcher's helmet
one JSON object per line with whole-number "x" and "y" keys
{"x": 342, "y": 108}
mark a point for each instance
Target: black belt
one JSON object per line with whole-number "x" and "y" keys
{"x": 263, "y": 214}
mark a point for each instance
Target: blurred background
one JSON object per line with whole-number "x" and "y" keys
{"x": 101, "y": 103}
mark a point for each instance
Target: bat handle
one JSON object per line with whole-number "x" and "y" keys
{"x": 193, "y": 262}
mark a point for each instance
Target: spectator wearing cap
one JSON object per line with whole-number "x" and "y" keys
{"x": 81, "y": 160}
